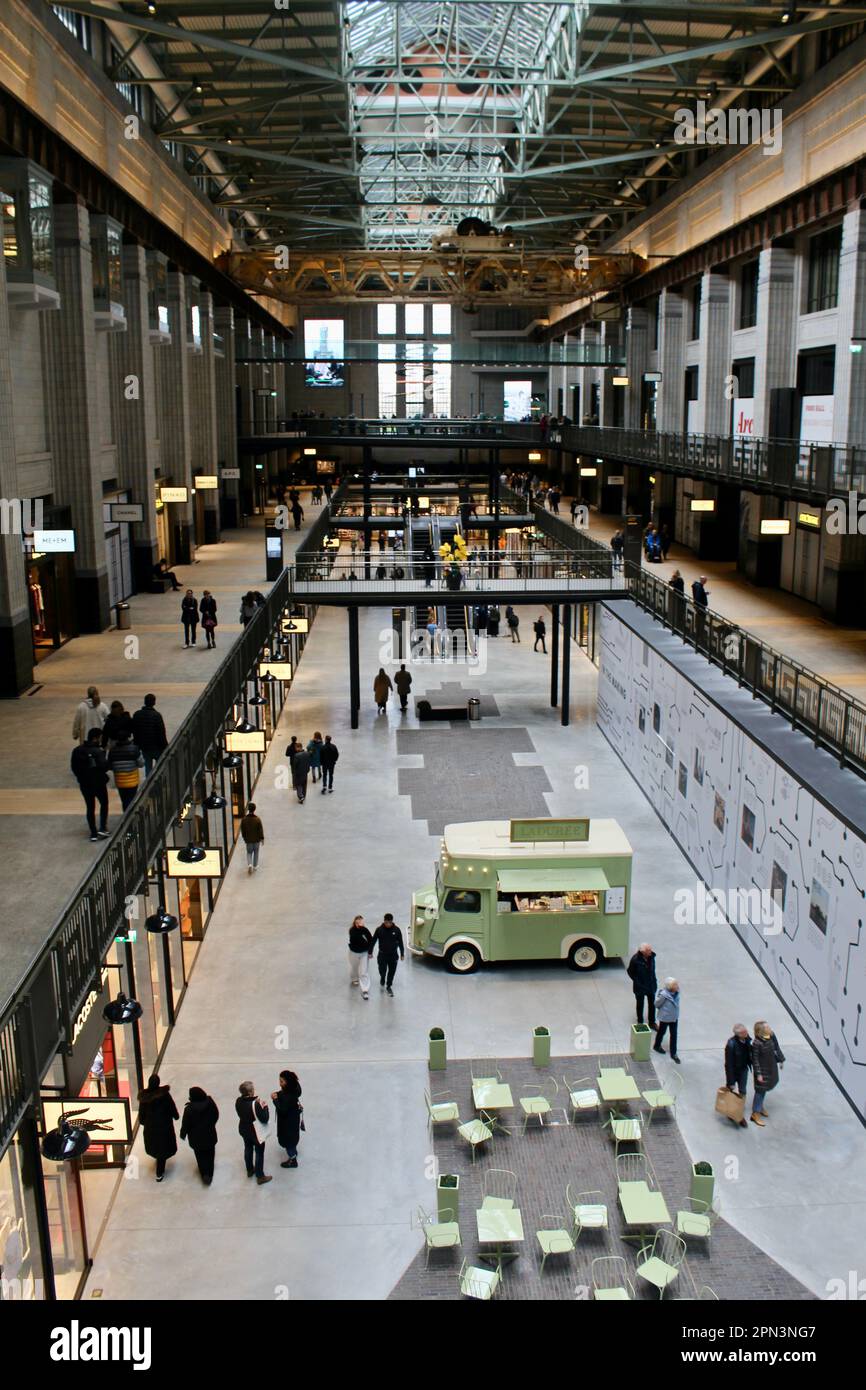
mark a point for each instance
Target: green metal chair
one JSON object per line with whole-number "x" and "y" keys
{"x": 624, "y": 1129}
{"x": 438, "y": 1235}
{"x": 586, "y": 1213}
{"x": 554, "y": 1239}
{"x": 610, "y": 1281}
{"x": 699, "y": 1220}
{"x": 540, "y": 1104}
{"x": 665, "y": 1098}
{"x": 582, "y": 1095}
{"x": 498, "y": 1189}
{"x": 633, "y": 1167}
{"x": 659, "y": 1261}
{"x": 442, "y": 1109}
{"x": 476, "y": 1132}
{"x": 479, "y": 1283}
{"x": 485, "y": 1069}
{"x": 707, "y": 1295}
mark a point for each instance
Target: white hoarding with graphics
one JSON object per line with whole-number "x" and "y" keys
{"x": 744, "y": 822}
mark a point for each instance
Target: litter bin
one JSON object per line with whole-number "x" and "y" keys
{"x": 122, "y": 617}
{"x": 541, "y": 1047}
{"x": 474, "y": 709}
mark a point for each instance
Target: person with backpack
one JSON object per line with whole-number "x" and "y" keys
{"x": 89, "y": 765}
{"x": 513, "y": 623}
{"x": 208, "y": 610}
{"x": 328, "y": 758}
{"x": 125, "y": 760}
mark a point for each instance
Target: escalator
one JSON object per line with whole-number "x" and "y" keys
{"x": 420, "y": 534}
{"x": 452, "y": 606}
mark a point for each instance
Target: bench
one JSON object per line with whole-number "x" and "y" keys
{"x": 159, "y": 584}
{"x": 426, "y": 711}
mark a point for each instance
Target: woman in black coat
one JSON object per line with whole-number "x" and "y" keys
{"x": 200, "y": 1115}
{"x": 289, "y": 1110}
{"x": 157, "y": 1113}
{"x": 767, "y": 1057}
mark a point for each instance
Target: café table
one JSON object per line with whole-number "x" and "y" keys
{"x": 493, "y": 1096}
{"x": 498, "y": 1227}
{"x": 615, "y": 1084}
{"x": 643, "y": 1208}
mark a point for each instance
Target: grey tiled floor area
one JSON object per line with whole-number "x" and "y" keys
{"x": 467, "y": 769}
{"x": 544, "y": 1161}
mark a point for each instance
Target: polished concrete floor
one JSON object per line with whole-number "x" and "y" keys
{"x": 270, "y": 989}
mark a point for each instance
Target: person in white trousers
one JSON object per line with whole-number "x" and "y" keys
{"x": 360, "y": 955}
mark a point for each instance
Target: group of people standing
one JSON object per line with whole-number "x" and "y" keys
{"x": 388, "y": 938}
{"x": 158, "y": 1113}
{"x": 113, "y": 742}
{"x": 318, "y": 758}
{"x": 193, "y": 611}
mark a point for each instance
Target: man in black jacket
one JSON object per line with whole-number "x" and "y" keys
{"x": 389, "y": 938}
{"x": 90, "y": 767}
{"x": 328, "y": 757}
{"x": 642, "y": 972}
{"x": 250, "y": 1111}
{"x": 148, "y": 731}
{"x": 539, "y": 627}
{"x": 738, "y": 1061}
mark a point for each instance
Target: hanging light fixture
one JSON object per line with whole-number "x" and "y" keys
{"x": 66, "y": 1141}
{"x": 215, "y": 802}
{"x": 122, "y": 1010}
{"x": 161, "y": 922}
{"x": 257, "y": 699}
{"x": 244, "y": 726}
{"x": 232, "y": 760}
{"x": 191, "y": 853}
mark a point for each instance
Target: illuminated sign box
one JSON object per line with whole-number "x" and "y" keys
{"x": 652, "y": 376}
{"x": 534, "y": 831}
{"x": 616, "y": 480}
{"x": 106, "y": 1121}
{"x": 291, "y": 625}
{"x": 620, "y": 381}
{"x": 206, "y": 481}
{"x": 230, "y": 472}
{"x": 332, "y": 544}
{"x": 310, "y": 453}
{"x": 54, "y": 542}
{"x": 173, "y": 494}
{"x": 589, "y": 472}
{"x": 772, "y": 527}
{"x": 703, "y": 504}
{"x": 209, "y": 867}
{"x": 808, "y": 519}
{"x": 534, "y": 457}
{"x": 252, "y": 742}
{"x": 126, "y": 511}
{"x": 280, "y": 670}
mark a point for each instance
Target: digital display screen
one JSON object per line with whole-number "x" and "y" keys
{"x": 323, "y": 352}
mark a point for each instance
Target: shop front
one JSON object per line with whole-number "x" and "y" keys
{"x": 50, "y": 570}
{"x": 118, "y": 550}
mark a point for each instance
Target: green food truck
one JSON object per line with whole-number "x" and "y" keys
{"x": 526, "y": 890}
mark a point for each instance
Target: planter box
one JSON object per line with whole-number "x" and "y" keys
{"x": 541, "y": 1047}
{"x": 437, "y": 1054}
{"x": 641, "y": 1042}
{"x": 447, "y": 1199}
{"x": 702, "y": 1186}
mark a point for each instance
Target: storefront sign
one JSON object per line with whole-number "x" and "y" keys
{"x": 589, "y": 472}
{"x": 295, "y": 625}
{"x": 209, "y": 867}
{"x": 173, "y": 494}
{"x": 54, "y": 542}
{"x": 230, "y": 472}
{"x": 106, "y": 1119}
{"x": 811, "y": 519}
{"x": 616, "y": 480}
{"x": 744, "y": 417}
{"x": 816, "y": 420}
{"x": 534, "y": 831}
{"x": 773, "y": 526}
{"x": 652, "y": 376}
{"x": 703, "y": 504}
{"x": 126, "y": 511}
{"x": 252, "y": 742}
{"x": 206, "y": 482}
{"x": 88, "y": 1030}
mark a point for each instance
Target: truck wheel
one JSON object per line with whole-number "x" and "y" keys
{"x": 462, "y": 959}
{"x": 584, "y": 955}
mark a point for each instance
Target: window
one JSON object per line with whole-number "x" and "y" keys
{"x": 442, "y": 377}
{"x": 441, "y": 315}
{"x": 195, "y": 325}
{"x": 748, "y": 315}
{"x": 692, "y": 384}
{"x": 824, "y": 252}
{"x": 77, "y": 24}
{"x": 386, "y": 318}
{"x": 744, "y": 371}
{"x": 414, "y": 368}
{"x": 580, "y": 900}
{"x": 462, "y": 900}
{"x": 655, "y": 308}
{"x": 415, "y": 318}
{"x": 323, "y": 352}
{"x": 126, "y": 84}
{"x": 695, "y": 313}
{"x": 387, "y": 375}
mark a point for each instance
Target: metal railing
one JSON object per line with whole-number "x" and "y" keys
{"x": 830, "y": 716}
{"x": 573, "y": 570}
{"x": 69, "y": 963}
{"x": 519, "y": 432}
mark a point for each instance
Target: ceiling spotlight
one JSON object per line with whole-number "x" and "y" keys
{"x": 151, "y": 9}
{"x": 199, "y": 88}
{"x": 788, "y": 16}
{"x": 161, "y": 921}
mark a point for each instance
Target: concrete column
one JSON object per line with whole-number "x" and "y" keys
{"x": 133, "y": 385}
{"x": 637, "y": 361}
{"x": 227, "y": 439}
{"x": 850, "y": 384}
{"x": 69, "y": 346}
{"x": 203, "y": 415}
{"x": 714, "y": 411}
{"x": 590, "y": 337}
{"x": 610, "y": 338}
{"x": 16, "y": 642}
{"x": 670, "y": 394}
{"x": 175, "y": 429}
{"x": 775, "y": 336}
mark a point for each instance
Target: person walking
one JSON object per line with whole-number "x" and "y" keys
{"x": 200, "y": 1115}
{"x": 738, "y": 1062}
{"x": 382, "y": 688}
{"x": 617, "y": 544}
{"x": 157, "y": 1113}
{"x": 89, "y": 766}
{"x": 553, "y": 497}
{"x": 289, "y": 1112}
{"x": 428, "y": 560}
{"x": 253, "y": 836}
{"x": 297, "y": 512}
{"x": 292, "y": 750}
{"x": 767, "y": 1058}
{"x": 90, "y": 714}
{"x": 700, "y": 593}
{"x": 119, "y": 722}
{"x": 249, "y": 608}
{"x": 300, "y": 773}
{"x": 360, "y": 955}
{"x": 665, "y": 537}
{"x": 642, "y": 973}
{"x": 431, "y": 633}
{"x": 328, "y": 756}
{"x": 125, "y": 760}
{"x": 389, "y": 939}
{"x": 208, "y": 610}
{"x": 314, "y": 748}
{"x": 403, "y": 682}
{"x": 513, "y": 623}
{"x": 539, "y": 627}
{"x": 678, "y": 599}
{"x": 189, "y": 617}
{"x": 668, "y": 1012}
{"x": 252, "y": 1112}
{"x": 148, "y": 731}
